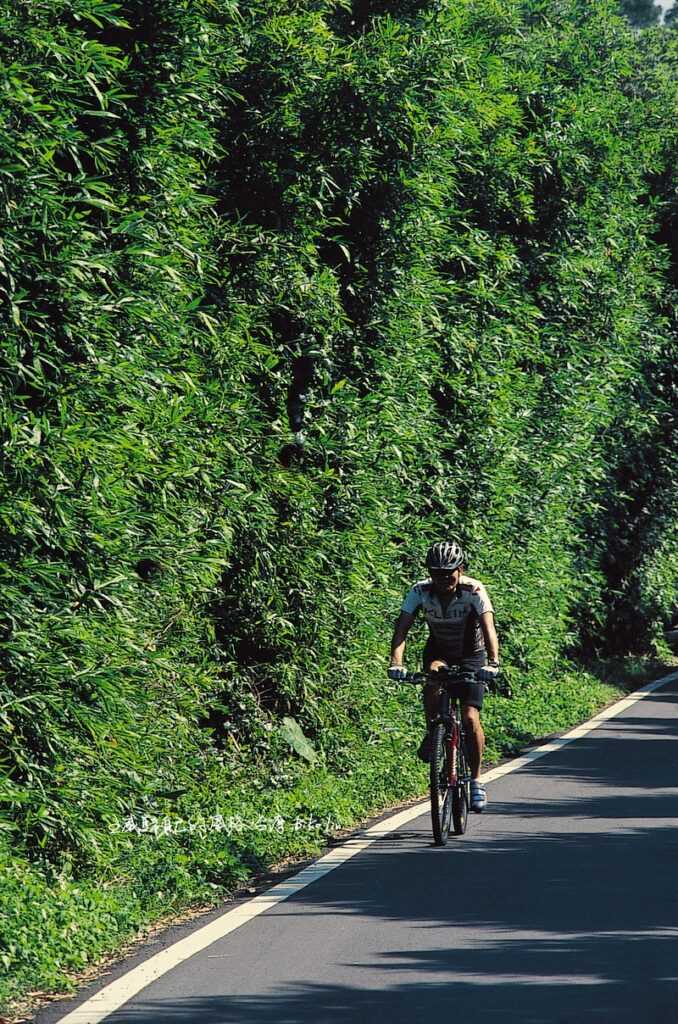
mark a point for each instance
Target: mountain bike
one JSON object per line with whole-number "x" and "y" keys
{"x": 450, "y": 771}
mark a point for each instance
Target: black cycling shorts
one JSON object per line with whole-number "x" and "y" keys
{"x": 468, "y": 693}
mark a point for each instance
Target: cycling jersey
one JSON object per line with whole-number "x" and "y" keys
{"x": 455, "y": 626}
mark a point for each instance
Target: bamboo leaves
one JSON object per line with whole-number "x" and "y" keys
{"x": 286, "y": 297}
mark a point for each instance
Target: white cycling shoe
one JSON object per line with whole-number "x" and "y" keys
{"x": 478, "y": 797}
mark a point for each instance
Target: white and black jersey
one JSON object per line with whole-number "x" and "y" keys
{"x": 454, "y": 624}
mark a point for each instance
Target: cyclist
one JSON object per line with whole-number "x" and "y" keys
{"x": 460, "y": 618}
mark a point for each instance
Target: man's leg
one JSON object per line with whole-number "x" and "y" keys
{"x": 476, "y": 745}
{"x": 475, "y": 737}
{"x": 431, "y": 693}
{"x": 431, "y": 698}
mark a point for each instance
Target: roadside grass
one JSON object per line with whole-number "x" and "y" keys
{"x": 630, "y": 673}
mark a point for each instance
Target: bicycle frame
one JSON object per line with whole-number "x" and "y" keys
{"x": 453, "y": 729}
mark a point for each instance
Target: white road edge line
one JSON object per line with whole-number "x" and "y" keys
{"x": 113, "y": 996}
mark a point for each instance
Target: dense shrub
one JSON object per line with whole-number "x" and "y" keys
{"x": 291, "y": 289}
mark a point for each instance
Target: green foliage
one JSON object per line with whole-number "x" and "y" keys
{"x": 291, "y": 290}
{"x": 291, "y": 732}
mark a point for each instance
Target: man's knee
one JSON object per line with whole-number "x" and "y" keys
{"x": 471, "y": 718}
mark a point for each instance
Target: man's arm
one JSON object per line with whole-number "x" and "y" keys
{"x": 490, "y": 636}
{"x": 402, "y": 628}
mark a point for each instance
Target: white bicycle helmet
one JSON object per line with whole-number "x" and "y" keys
{"x": 445, "y": 556}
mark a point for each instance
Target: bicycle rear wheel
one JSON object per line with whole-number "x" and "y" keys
{"x": 441, "y": 794}
{"x": 461, "y": 793}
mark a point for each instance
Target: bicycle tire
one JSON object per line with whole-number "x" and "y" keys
{"x": 461, "y": 797}
{"x": 441, "y": 796}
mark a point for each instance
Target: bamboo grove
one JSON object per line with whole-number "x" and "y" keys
{"x": 289, "y": 290}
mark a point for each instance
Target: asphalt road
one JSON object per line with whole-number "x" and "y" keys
{"x": 560, "y": 905}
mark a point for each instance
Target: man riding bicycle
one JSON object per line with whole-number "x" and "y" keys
{"x": 460, "y": 618}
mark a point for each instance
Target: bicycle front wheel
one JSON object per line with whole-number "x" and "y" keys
{"x": 441, "y": 792}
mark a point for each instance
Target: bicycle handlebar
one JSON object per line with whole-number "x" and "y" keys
{"x": 456, "y": 674}
{"x": 441, "y": 676}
